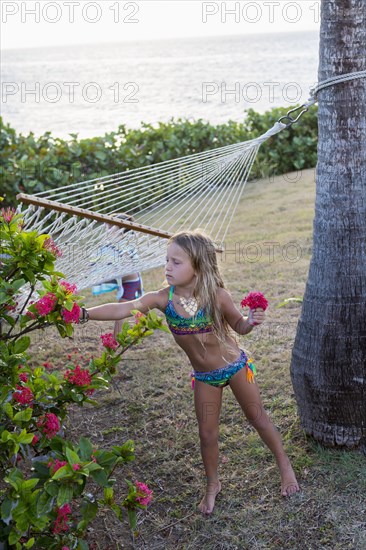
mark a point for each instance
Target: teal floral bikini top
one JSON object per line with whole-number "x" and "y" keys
{"x": 177, "y": 324}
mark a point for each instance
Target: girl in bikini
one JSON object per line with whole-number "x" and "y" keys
{"x": 200, "y": 313}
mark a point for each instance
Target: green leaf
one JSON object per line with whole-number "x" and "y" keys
{"x": 51, "y": 488}
{"x": 45, "y": 503}
{"x": 9, "y": 319}
{"x": 48, "y": 266}
{"x": 117, "y": 510}
{"x": 6, "y": 509}
{"x": 82, "y": 545}
{"x": 89, "y": 510}
{"x": 18, "y": 283}
{"x": 100, "y": 477}
{"x": 25, "y": 437}
{"x": 30, "y": 543}
{"x": 28, "y": 485}
{"x": 100, "y": 155}
{"x": 132, "y": 519}
{"x": 69, "y": 304}
{"x": 5, "y": 436}
{"x": 92, "y": 466}
{"x": 61, "y": 472}
{"x": 126, "y": 451}
{"x": 24, "y": 416}
{"x": 65, "y": 494}
{"x": 69, "y": 329}
{"x": 86, "y": 448}
{"x": 72, "y": 456}
{"x": 22, "y": 344}
{"x": 8, "y": 409}
{"x": 13, "y": 537}
{"x": 108, "y": 494}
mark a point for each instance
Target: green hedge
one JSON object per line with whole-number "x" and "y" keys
{"x": 31, "y": 164}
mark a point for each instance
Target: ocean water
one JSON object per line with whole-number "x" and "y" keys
{"x": 92, "y": 89}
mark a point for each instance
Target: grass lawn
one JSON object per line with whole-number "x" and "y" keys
{"x": 268, "y": 249}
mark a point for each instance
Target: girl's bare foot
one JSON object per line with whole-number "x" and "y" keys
{"x": 207, "y": 504}
{"x": 289, "y": 484}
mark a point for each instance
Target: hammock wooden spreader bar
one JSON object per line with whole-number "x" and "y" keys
{"x": 81, "y": 212}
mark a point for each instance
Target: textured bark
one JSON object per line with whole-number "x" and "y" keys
{"x": 328, "y": 366}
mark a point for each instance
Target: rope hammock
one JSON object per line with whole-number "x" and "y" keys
{"x": 201, "y": 190}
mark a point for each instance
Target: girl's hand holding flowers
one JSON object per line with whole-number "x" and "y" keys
{"x": 257, "y": 304}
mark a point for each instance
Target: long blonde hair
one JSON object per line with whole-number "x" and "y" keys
{"x": 202, "y": 253}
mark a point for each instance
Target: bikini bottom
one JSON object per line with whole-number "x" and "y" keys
{"x": 221, "y": 377}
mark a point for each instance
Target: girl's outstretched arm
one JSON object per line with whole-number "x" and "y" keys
{"x": 234, "y": 317}
{"x": 121, "y": 310}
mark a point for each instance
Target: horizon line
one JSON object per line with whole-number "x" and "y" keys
{"x": 160, "y": 39}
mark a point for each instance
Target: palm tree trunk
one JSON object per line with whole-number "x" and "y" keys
{"x": 328, "y": 366}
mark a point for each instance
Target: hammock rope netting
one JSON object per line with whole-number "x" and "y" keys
{"x": 201, "y": 190}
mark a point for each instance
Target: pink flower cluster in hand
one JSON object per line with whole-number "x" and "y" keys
{"x": 49, "y": 425}
{"x": 72, "y": 316}
{"x": 78, "y": 376}
{"x": 69, "y": 287}
{"x": 51, "y": 247}
{"x": 8, "y": 214}
{"x": 109, "y": 341}
{"x": 255, "y": 300}
{"x": 46, "y": 304}
{"x": 55, "y": 465}
{"x": 63, "y": 516}
{"x": 144, "y": 494}
{"x": 24, "y": 396}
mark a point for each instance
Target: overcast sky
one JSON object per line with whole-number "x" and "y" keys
{"x": 54, "y": 23}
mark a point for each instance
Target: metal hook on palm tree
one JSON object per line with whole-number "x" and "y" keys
{"x": 290, "y": 119}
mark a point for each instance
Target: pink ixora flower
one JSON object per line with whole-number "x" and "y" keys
{"x": 61, "y": 523}
{"x": 254, "y": 300}
{"x": 138, "y": 316}
{"x": 23, "y": 377}
{"x": 68, "y": 287}
{"x": 144, "y": 494}
{"x": 55, "y": 465}
{"x": 76, "y": 467}
{"x": 51, "y": 247}
{"x": 47, "y": 365}
{"x": 35, "y": 440}
{"x": 8, "y": 214}
{"x": 78, "y": 376}
{"x": 49, "y": 425}
{"x": 24, "y": 396}
{"x": 72, "y": 316}
{"x": 30, "y": 314}
{"x": 109, "y": 341}
{"x": 46, "y": 304}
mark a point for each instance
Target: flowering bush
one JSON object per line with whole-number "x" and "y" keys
{"x": 50, "y": 493}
